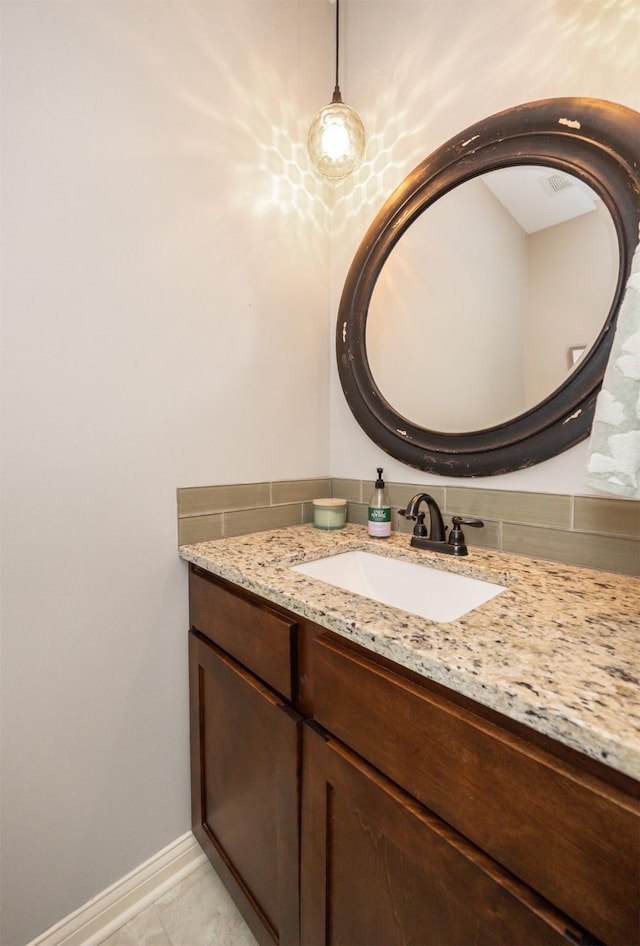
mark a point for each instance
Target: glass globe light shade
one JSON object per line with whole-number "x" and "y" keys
{"x": 336, "y": 140}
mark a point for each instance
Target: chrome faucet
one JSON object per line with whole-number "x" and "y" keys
{"x": 436, "y": 539}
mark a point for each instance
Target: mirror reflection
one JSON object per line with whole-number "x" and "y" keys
{"x": 491, "y": 297}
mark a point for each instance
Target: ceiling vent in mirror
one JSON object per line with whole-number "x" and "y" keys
{"x": 554, "y": 183}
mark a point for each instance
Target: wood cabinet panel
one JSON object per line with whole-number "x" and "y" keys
{"x": 245, "y": 789}
{"x": 259, "y": 637}
{"x": 573, "y": 838}
{"x": 425, "y": 819}
{"x": 378, "y": 869}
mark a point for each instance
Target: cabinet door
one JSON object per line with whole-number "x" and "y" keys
{"x": 561, "y": 830}
{"x": 245, "y": 797}
{"x": 378, "y": 868}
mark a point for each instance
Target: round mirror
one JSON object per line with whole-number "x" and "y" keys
{"x": 476, "y": 318}
{"x": 530, "y": 298}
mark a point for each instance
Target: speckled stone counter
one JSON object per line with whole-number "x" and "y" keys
{"x": 558, "y": 650}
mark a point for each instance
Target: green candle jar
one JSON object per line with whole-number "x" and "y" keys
{"x": 329, "y": 513}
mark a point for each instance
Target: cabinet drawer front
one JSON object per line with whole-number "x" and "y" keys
{"x": 258, "y": 637}
{"x": 570, "y": 836}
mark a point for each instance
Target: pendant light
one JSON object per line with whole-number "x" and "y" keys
{"x": 336, "y": 137}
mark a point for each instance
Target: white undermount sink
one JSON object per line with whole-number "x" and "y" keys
{"x": 420, "y": 589}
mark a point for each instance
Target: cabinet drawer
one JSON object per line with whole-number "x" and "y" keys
{"x": 258, "y": 637}
{"x": 567, "y": 834}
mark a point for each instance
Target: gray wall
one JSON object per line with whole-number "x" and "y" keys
{"x": 165, "y": 251}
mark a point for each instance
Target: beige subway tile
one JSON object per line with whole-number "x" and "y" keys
{"x": 575, "y": 548}
{"x": 201, "y": 500}
{"x": 400, "y": 524}
{"x": 401, "y": 493}
{"x": 298, "y": 491}
{"x": 607, "y": 515}
{"x": 350, "y": 490}
{"x": 242, "y": 521}
{"x": 357, "y": 513}
{"x": 199, "y": 529}
{"x": 487, "y": 537}
{"x": 541, "y": 509}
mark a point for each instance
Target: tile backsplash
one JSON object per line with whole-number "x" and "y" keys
{"x": 216, "y": 512}
{"x": 579, "y": 530}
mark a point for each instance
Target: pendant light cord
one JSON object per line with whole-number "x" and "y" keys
{"x": 337, "y": 97}
{"x": 336, "y": 137}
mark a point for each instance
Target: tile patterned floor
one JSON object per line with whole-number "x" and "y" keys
{"x": 196, "y": 912}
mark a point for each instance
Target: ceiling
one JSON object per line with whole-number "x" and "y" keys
{"x": 540, "y": 197}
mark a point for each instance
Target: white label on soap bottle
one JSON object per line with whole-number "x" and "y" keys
{"x": 379, "y": 521}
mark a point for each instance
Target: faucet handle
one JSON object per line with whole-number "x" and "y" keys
{"x": 456, "y": 536}
{"x": 420, "y": 528}
{"x": 458, "y": 521}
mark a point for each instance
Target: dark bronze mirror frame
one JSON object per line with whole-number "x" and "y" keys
{"x": 596, "y": 141}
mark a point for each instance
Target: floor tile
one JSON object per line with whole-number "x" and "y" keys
{"x": 145, "y": 929}
{"x": 199, "y": 912}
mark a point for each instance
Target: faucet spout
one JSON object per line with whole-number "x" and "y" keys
{"x": 436, "y": 524}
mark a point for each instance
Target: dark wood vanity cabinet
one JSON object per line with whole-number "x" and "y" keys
{"x": 245, "y": 756}
{"x": 343, "y": 800}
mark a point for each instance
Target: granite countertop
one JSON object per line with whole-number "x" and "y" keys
{"x": 558, "y": 650}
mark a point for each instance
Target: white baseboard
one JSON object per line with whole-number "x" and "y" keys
{"x": 108, "y": 911}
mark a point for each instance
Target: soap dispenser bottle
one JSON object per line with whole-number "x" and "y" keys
{"x": 379, "y": 516}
